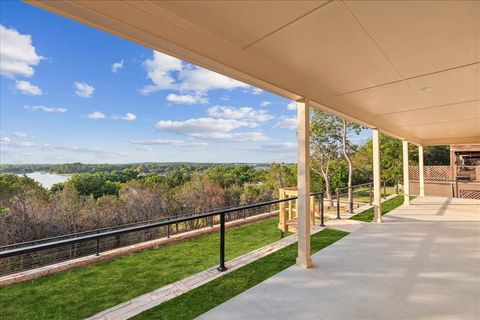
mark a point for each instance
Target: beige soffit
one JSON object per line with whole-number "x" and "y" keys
{"x": 409, "y": 68}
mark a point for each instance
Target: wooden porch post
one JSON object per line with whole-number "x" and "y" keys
{"x": 377, "y": 202}
{"x": 406, "y": 179}
{"x": 303, "y": 168}
{"x": 421, "y": 177}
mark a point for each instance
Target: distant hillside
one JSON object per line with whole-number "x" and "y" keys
{"x": 142, "y": 168}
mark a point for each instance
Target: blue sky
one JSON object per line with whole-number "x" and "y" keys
{"x": 72, "y": 93}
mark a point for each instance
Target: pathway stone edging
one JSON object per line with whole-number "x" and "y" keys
{"x": 154, "y": 298}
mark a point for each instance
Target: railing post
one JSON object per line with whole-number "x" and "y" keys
{"x": 338, "y": 204}
{"x": 384, "y": 190}
{"x": 98, "y": 245}
{"x": 370, "y": 186}
{"x": 456, "y": 187}
{"x": 350, "y": 192}
{"x": 322, "y": 224}
{"x": 222, "y": 267}
{"x": 168, "y": 231}
{"x": 396, "y": 188}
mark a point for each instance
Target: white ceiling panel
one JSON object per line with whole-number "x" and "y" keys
{"x": 452, "y": 86}
{"x": 421, "y": 37}
{"x": 222, "y": 17}
{"x": 329, "y": 47}
{"x": 458, "y": 111}
{"x": 385, "y": 99}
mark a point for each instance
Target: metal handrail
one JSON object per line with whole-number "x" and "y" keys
{"x": 47, "y": 243}
{"x": 140, "y": 227}
{"x": 71, "y": 235}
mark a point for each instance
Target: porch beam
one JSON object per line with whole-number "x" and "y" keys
{"x": 303, "y": 171}
{"x": 406, "y": 179}
{"x": 421, "y": 178}
{"x": 377, "y": 202}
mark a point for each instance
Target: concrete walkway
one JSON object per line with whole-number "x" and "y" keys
{"x": 422, "y": 263}
{"x": 149, "y": 300}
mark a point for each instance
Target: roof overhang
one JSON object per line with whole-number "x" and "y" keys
{"x": 409, "y": 68}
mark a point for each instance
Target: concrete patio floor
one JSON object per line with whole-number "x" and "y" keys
{"x": 423, "y": 262}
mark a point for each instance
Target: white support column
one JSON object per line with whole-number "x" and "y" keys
{"x": 421, "y": 178}
{"x": 377, "y": 201}
{"x": 303, "y": 168}
{"x": 406, "y": 179}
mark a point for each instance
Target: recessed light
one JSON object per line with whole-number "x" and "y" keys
{"x": 425, "y": 89}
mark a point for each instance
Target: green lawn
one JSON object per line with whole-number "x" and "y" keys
{"x": 387, "y": 206}
{"x": 210, "y": 295}
{"x": 80, "y": 293}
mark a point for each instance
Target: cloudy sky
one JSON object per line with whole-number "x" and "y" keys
{"x": 71, "y": 93}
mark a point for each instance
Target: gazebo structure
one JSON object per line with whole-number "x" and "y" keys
{"x": 409, "y": 69}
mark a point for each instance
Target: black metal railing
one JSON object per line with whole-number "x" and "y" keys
{"x": 94, "y": 238}
{"x": 364, "y": 187}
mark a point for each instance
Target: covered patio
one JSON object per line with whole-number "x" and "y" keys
{"x": 408, "y": 69}
{"x": 423, "y": 262}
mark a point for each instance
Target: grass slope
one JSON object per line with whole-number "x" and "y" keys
{"x": 210, "y": 295}
{"x": 82, "y": 292}
{"x": 387, "y": 206}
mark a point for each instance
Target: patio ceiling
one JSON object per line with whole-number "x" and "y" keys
{"x": 410, "y": 69}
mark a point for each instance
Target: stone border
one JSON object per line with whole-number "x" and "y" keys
{"x": 154, "y": 298}
{"x": 124, "y": 251}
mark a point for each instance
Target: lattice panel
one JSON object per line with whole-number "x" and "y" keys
{"x": 413, "y": 172}
{"x": 438, "y": 173}
{"x": 435, "y": 173}
{"x": 470, "y": 194}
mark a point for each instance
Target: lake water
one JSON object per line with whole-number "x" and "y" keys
{"x": 47, "y": 180}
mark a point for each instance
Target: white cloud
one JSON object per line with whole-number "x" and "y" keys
{"x": 75, "y": 149}
{"x": 211, "y": 128}
{"x": 27, "y": 88}
{"x": 26, "y": 144}
{"x": 17, "y": 54}
{"x": 292, "y": 106}
{"x": 202, "y": 80}
{"x": 243, "y": 113}
{"x": 83, "y": 90}
{"x": 256, "y": 91}
{"x": 117, "y": 66}
{"x": 265, "y": 104}
{"x": 5, "y": 140}
{"x": 162, "y": 70}
{"x": 186, "y": 99}
{"x": 45, "y": 109}
{"x": 167, "y": 142}
{"x": 282, "y": 147}
{"x": 287, "y": 122}
{"x": 129, "y": 116}
{"x": 96, "y": 115}
{"x": 233, "y": 136}
{"x": 159, "y": 70}
{"x": 20, "y": 134}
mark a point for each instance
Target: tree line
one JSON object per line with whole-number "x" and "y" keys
{"x": 119, "y": 194}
